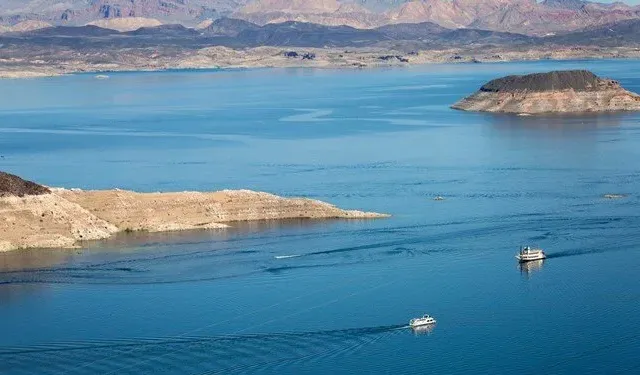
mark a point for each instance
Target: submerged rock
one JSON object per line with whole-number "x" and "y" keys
{"x": 571, "y": 91}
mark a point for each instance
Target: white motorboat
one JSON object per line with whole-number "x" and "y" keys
{"x": 528, "y": 254}
{"x": 425, "y": 320}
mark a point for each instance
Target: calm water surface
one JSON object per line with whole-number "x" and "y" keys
{"x": 305, "y": 297}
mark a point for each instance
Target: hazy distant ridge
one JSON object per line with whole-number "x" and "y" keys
{"x": 519, "y": 16}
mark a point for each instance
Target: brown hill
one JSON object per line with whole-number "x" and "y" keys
{"x": 444, "y": 13}
{"x": 573, "y": 91}
{"x": 12, "y": 185}
{"x": 126, "y": 23}
{"x": 324, "y": 12}
{"x": 291, "y": 6}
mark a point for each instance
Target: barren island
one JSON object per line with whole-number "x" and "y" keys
{"x": 570, "y": 91}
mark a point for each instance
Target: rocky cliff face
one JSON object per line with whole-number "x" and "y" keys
{"x": 444, "y": 13}
{"x": 80, "y": 12}
{"x": 323, "y": 12}
{"x": 574, "y": 91}
{"x": 519, "y": 16}
{"x": 542, "y": 19}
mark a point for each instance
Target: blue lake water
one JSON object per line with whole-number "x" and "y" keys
{"x": 305, "y": 297}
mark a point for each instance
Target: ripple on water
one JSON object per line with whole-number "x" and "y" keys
{"x": 216, "y": 354}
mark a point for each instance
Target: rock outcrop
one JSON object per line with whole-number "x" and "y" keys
{"x": 30, "y": 25}
{"x": 126, "y": 23}
{"x": 12, "y": 185}
{"x": 33, "y": 216}
{"x": 25, "y": 26}
{"x": 324, "y": 12}
{"x": 573, "y": 91}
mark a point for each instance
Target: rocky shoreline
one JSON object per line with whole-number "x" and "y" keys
{"x": 34, "y": 216}
{"x": 572, "y": 91}
{"x": 277, "y": 57}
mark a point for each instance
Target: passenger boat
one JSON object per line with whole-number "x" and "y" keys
{"x": 528, "y": 254}
{"x": 425, "y": 320}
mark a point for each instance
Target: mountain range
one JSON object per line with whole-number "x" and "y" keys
{"x": 227, "y": 42}
{"x": 236, "y": 33}
{"x": 528, "y": 17}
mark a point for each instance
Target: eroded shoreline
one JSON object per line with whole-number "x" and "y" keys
{"x": 294, "y": 57}
{"x": 64, "y": 218}
{"x": 568, "y": 91}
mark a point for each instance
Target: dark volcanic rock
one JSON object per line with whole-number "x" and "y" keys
{"x": 393, "y": 57}
{"x": 230, "y": 27}
{"x": 578, "y": 80}
{"x": 71, "y": 31}
{"x": 11, "y": 185}
{"x": 303, "y": 34}
{"x": 235, "y": 33}
{"x": 474, "y": 36}
{"x": 623, "y": 33}
{"x": 165, "y": 31}
{"x": 412, "y": 31}
{"x": 431, "y": 33}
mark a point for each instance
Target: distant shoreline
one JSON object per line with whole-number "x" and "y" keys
{"x": 223, "y": 58}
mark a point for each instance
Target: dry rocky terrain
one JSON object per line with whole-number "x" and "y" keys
{"x": 576, "y": 91}
{"x": 66, "y": 61}
{"x": 234, "y": 43}
{"x": 34, "y": 216}
{"x": 126, "y": 23}
{"x": 521, "y": 16}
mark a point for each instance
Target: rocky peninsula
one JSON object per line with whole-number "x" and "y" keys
{"x": 571, "y": 91}
{"x": 35, "y": 216}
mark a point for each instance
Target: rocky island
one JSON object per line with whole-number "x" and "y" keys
{"x": 35, "y": 216}
{"x": 571, "y": 91}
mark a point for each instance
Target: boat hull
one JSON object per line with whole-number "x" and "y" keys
{"x": 523, "y": 259}
{"x": 422, "y": 324}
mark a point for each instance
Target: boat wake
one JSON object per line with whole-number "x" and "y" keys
{"x": 201, "y": 354}
{"x": 593, "y": 250}
{"x": 287, "y": 256}
{"x": 240, "y": 258}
